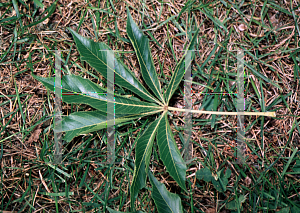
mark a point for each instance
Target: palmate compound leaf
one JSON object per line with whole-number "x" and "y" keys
{"x": 143, "y": 152}
{"x": 140, "y": 43}
{"x": 85, "y": 122}
{"x": 95, "y": 54}
{"x": 180, "y": 70}
{"x": 84, "y": 91}
{"x": 169, "y": 152}
{"x": 165, "y": 201}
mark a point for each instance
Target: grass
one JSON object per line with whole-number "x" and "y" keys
{"x": 267, "y": 31}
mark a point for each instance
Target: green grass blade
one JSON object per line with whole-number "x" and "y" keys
{"x": 50, "y": 11}
{"x": 38, "y": 3}
{"x": 216, "y": 21}
{"x": 289, "y": 162}
{"x": 110, "y": 210}
{"x": 20, "y": 104}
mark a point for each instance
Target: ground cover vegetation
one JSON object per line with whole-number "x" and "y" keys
{"x": 267, "y": 31}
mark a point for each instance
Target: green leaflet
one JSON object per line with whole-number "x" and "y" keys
{"x": 179, "y": 71}
{"x": 90, "y": 52}
{"x": 165, "y": 201}
{"x": 143, "y": 151}
{"x": 169, "y": 152}
{"x": 141, "y": 46}
{"x": 92, "y": 94}
{"x": 84, "y": 122}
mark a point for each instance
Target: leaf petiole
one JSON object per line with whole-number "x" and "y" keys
{"x": 271, "y": 114}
